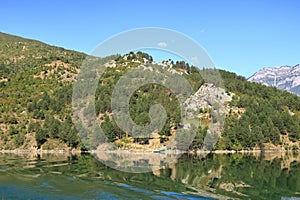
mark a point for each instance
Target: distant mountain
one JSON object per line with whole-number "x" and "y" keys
{"x": 282, "y": 77}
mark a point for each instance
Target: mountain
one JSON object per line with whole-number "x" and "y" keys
{"x": 36, "y": 85}
{"x": 282, "y": 77}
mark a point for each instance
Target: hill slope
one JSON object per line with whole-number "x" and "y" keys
{"x": 31, "y": 73}
{"x": 36, "y": 92}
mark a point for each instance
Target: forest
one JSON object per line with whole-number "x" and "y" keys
{"x": 36, "y": 85}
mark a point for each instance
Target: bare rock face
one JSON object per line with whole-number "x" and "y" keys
{"x": 209, "y": 102}
{"x": 282, "y": 77}
{"x": 207, "y": 97}
{"x": 208, "y": 106}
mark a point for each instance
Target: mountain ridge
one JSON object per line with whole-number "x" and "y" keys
{"x": 282, "y": 77}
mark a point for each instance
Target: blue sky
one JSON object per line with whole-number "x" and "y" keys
{"x": 239, "y": 35}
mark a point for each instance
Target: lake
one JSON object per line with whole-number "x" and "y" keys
{"x": 216, "y": 176}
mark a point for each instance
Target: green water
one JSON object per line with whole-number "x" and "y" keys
{"x": 64, "y": 176}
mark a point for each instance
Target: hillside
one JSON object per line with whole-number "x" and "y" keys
{"x": 36, "y": 83}
{"x": 32, "y": 73}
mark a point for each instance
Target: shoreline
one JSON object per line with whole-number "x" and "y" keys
{"x": 197, "y": 152}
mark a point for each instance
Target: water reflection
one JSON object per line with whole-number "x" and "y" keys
{"x": 136, "y": 161}
{"x": 254, "y": 176}
{"x": 220, "y": 176}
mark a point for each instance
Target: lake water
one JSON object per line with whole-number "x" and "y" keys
{"x": 235, "y": 176}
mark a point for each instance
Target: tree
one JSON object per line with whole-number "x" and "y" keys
{"x": 67, "y": 132}
{"x": 52, "y": 125}
{"x": 40, "y": 137}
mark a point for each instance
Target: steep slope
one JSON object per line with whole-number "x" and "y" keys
{"x": 282, "y": 77}
{"x": 31, "y": 75}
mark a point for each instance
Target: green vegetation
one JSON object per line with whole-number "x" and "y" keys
{"x": 269, "y": 114}
{"x": 36, "y": 93}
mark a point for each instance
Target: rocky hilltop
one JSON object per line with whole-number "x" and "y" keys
{"x": 282, "y": 77}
